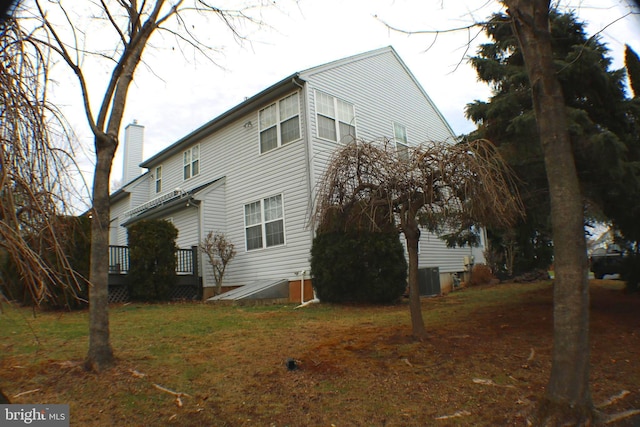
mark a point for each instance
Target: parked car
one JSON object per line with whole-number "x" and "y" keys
{"x": 606, "y": 261}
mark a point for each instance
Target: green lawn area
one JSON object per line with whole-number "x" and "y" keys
{"x": 358, "y": 365}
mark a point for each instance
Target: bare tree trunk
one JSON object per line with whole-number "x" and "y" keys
{"x": 100, "y": 354}
{"x": 132, "y": 24}
{"x": 412, "y": 236}
{"x": 567, "y": 396}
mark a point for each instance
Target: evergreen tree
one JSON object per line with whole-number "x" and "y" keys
{"x": 152, "y": 260}
{"x": 603, "y": 127}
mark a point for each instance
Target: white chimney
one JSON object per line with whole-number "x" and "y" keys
{"x": 133, "y": 140}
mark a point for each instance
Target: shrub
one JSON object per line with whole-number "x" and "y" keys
{"x": 74, "y": 236}
{"x": 481, "y": 275}
{"x": 152, "y": 260}
{"x": 219, "y": 251}
{"x": 630, "y": 272}
{"x": 362, "y": 267}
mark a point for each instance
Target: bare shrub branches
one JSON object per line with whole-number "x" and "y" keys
{"x": 220, "y": 251}
{"x": 445, "y": 185}
{"x": 440, "y": 186}
{"x": 34, "y": 167}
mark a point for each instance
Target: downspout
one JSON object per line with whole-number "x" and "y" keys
{"x": 310, "y": 182}
{"x": 315, "y": 299}
{"x": 307, "y": 150}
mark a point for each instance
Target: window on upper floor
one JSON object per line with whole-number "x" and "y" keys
{"x": 264, "y": 223}
{"x": 191, "y": 162}
{"x": 336, "y": 118}
{"x": 279, "y": 123}
{"x": 400, "y": 138}
{"x": 158, "y": 179}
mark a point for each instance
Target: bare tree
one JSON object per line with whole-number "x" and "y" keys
{"x": 130, "y": 25}
{"x": 439, "y": 186}
{"x": 220, "y": 252}
{"x": 567, "y": 395}
{"x": 35, "y": 164}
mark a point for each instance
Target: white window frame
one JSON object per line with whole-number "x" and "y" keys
{"x": 258, "y": 218}
{"x": 157, "y": 177}
{"x": 335, "y": 109}
{"x": 191, "y": 162}
{"x": 401, "y": 140}
{"x": 280, "y": 114}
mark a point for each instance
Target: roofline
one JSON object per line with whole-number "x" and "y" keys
{"x": 424, "y": 93}
{"x": 156, "y": 212}
{"x": 348, "y": 59}
{"x": 119, "y": 194}
{"x": 375, "y": 52}
{"x": 271, "y": 93}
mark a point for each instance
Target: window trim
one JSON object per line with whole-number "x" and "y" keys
{"x": 336, "y": 118}
{"x": 157, "y": 179}
{"x": 278, "y": 123}
{"x": 262, "y": 223}
{"x": 190, "y": 164}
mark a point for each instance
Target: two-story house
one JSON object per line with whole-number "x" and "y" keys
{"x": 253, "y": 171}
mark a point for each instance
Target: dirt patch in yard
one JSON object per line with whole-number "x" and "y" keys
{"x": 482, "y": 365}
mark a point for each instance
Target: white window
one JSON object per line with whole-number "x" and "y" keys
{"x": 191, "y": 162}
{"x": 264, "y": 223}
{"x": 158, "y": 178}
{"x": 279, "y": 123}
{"x": 400, "y": 137}
{"x": 336, "y": 118}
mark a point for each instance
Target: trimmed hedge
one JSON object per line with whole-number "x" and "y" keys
{"x": 359, "y": 267}
{"x": 152, "y": 260}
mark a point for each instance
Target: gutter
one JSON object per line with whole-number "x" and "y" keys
{"x": 268, "y": 95}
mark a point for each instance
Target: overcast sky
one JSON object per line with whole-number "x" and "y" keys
{"x": 173, "y": 95}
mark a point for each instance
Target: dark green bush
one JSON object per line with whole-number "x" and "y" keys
{"x": 359, "y": 267}
{"x": 74, "y": 236}
{"x": 152, "y": 260}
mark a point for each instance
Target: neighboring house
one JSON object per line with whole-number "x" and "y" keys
{"x": 253, "y": 172}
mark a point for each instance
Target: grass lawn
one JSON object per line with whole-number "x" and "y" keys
{"x": 486, "y": 362}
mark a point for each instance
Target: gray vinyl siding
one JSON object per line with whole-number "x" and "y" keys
{"x": 115, "y": 225}
{"x": 382, "y": 92}
{"x": 281, "y": 171}
{"x": 137, "y": 194}
{"x": 213, "y": 210}
{"x": 234, "y": 153}
{"x": 213, "y": 218}
{"x": 187, "y": 223}
{"x": 139, "y": 190}
{"x": 434, "y": 253}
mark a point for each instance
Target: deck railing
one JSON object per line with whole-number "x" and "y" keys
{"x": 189, "y": 284}
{"x": 118, "y": 259}
{"x": 186, "y": 260}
